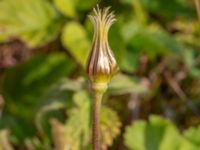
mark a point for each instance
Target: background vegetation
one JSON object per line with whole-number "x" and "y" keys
{"x": 153, "y": 103}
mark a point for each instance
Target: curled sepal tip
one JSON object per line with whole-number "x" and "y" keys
{"x": 101, "y": 64}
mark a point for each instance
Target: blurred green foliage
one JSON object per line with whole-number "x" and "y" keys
{"x": 34, "y": 22}
{"x": 45, "y": 101}
{"x": 160, "y": 134}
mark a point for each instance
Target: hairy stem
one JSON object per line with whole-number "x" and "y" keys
{"x": 97, "y": 97}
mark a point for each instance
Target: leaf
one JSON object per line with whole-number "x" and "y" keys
{"x": 129, "y": 28}
{"x": 16, "y": 127}
{"x": 55, "y": 98}
{"x": 75, "y": 40}
{"x": 72, "y": 85}
{"x": 139, "y": 12}
{"x": 109, "y": 128}
{"x": 25, "y": 84}
{"x": 35, "y": 22}
{"x": 136, "y": 132}
{"x": 192, "y": 135}
{"x": 77, "y": 128}
{"x": 35, "y": 75}
{"x": 84, "y": 5}
{"x": 175, "y": 8}
{"x": 121, "y": 84}
{"x": 190, "y": 62}
{"x": 157, "y": 42}
{"x": 186, "y": 145}
{"x": 116, "y": 42}
{"x": 44, "y": 114}
{"x": 158, "y": 134}
{"x": 66, "y": 7}
{"x": 130, "y": 61}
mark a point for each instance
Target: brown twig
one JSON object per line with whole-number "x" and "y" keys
{"x": 175, "y": 86}
{"x": 133, "y": 105}
{"x": 1, "y": 104}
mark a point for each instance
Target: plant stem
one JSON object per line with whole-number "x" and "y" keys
{"x": 97, "y": 97}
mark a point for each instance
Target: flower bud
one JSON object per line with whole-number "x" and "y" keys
{"x": 101, "y": 64}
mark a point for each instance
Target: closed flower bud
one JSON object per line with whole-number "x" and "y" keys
{"x": 101, "y": 64}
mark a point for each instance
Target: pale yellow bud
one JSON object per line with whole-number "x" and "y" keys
{"x": 101, "y": 64}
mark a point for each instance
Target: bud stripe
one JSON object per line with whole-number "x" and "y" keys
{"x": 101, "y": 62}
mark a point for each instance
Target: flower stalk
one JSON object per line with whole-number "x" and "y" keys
{"x": 101, "y": 66}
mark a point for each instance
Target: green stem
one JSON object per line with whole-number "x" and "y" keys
{"x": 95, "y": 119}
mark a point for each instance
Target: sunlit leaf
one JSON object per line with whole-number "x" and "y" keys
{"x": 35, "y": 22}
{"x": 192, "y": 136}
{"x": 75, "y": 40}
{"x": 67, "y": 7}
{"x": 157, "y": 134}
{"x": 110, "y": 127}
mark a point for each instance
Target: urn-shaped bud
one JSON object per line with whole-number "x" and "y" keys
{"x": 101, "y": 64}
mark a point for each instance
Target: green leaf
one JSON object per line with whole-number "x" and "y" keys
{"x": 158, "y": 134}
{"x": 74, "y": 39}
{"x": 121, "y": 84}
{"x": 176, "y": 8}
{"x": 190, "y": 62}
{"x": 137, "y": 132}
{"x": 186, "y": 145}
{"x": 192, "y": 136}
{"x": 84, "y": 5}
{"x": 25, "y": 84}
{"x": 116, "y": 42}
{"x": 35, "y": 75}
{"x": 35, "y": 22}
{"x": 157, "y": 42}
{"x": 130, "y": 61}
{"x": 77, "y": 128}
{"x": 66, "y": 7}
{"x": 139, "y": 12}
{"x": 109, "y": 127}
{"x": 16, "y": 128}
